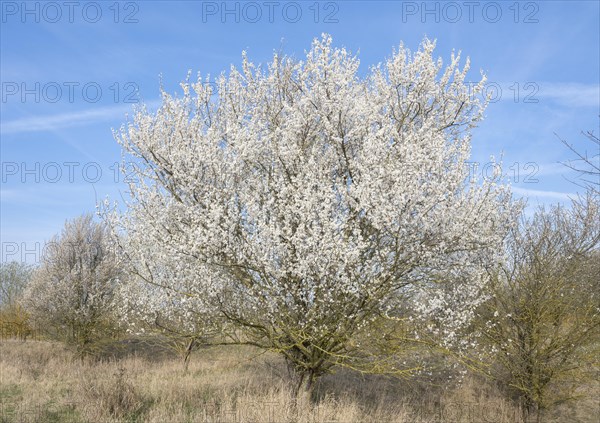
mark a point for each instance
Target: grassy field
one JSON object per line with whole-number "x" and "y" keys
{"x": 43, "y": 382}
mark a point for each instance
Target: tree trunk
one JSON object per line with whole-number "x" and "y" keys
{"x": 188, "y": 351}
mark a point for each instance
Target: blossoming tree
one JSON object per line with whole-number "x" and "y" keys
{"x": 301, "y": 202}
{"x": 162, "y": 297}
{"x": 71, "y": 293}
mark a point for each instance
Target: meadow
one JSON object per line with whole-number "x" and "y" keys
{"x": 43, "y": 381}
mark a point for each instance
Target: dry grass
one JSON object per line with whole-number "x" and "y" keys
{"x": 43, "y": 382}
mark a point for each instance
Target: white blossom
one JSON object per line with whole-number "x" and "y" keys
{"x": 301, "y": 201}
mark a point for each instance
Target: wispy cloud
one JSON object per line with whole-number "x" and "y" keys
{"x": 531, "y": 193}
{"x": 565, "y": 94}
{"x": 66, "y": 120}
{"x": 570, "y": 94}
{"x": 63, "y": 120}
{"x": 549, "y": 169}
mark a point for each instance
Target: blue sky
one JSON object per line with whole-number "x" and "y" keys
{"x": 70, "y": 73}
